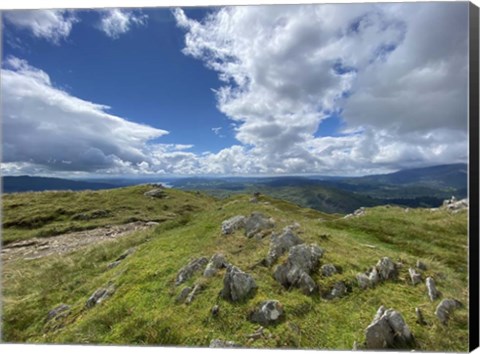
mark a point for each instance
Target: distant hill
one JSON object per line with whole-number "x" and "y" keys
{"x": 13, "y": 184}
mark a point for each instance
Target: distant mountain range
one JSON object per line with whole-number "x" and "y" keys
{"x": 419, "y": 187}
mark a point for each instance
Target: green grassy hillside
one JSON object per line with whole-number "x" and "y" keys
{"x": 143, "y": 309}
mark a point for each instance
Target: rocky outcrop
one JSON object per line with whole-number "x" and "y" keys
{"x": 414, "y": 276}
{"x": 359, "y": 212}
{"x": 267, "y": 313}
{"x": 217, "y": 262}
{"x": 280, "y": 244}
{"x": 445, "y": 309}
{"x": 433, "y": 293}
{"x": 388, "y": 330}
{"x": 220, "y": 343}
{"x": 237, "y": 285}
{"x": 231, "y": 225}
{"x": 455, "y": 205}
{"x": 338, "y": 290}
{"x": 384, "y": 270}
{"x": 186, "y": 272}
{"x": 155, "y": 193}
{"x": 100, "y": 295}
{"x": 256, "y": 223}
{"x": 295, "y": 272}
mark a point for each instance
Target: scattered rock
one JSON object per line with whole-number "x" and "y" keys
{"x": 257, "y": 222}
{"x": 338, "y": 290}
{"x": 420, "y": 318}
{"x": 445, "y": 309}
{"x": 219, "y": 343}
{"x": 387, "y": 269}
{"x": 155, "y": 193}
{"x": 416, "y": 277}
{"x": 455, "y": 205}
{"x": 186, "y": 272}
{"x": 363, "y": 281}
{"x": 113, "y": 264}
{"x": 99, "y": 295}
{"x": 237, "y": 285}
{"x": 374, "y": 277}
{"x": 58, "y": 312}
{"x": 420, "y": 265}
{"x": 231, "y": 225}
{"x": 257, "y": 334}
{"x": 388, "y": 330}
{"x": 217, "y": 262}
{"x": 268, "y": 312}
{"x": 183, "y": 294}
{"x": 280, "y": 244}
{"x": 328, "y": 270}
{"x": 215, "y": 310}
{"x": 433, "y": 293}
{"x": 359, "y": 212}
{"x": 302, "y": 260}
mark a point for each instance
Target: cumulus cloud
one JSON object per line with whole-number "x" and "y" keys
{"x": 116, "y": 22}
{"x": 389, "y": 70}
{"x": 52, "y": 25}
{"x": 45, "y": 128}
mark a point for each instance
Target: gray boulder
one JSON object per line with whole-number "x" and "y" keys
{"x": 328, "y": 270}
{"x": 192, "y": 267}
{"x": 280, "y": 244}
{"x": 374, "y": 277}
{"x": 220, "y": 343}
{"x": 268, "y": 312}
{"x": 231, "y": 225}
{"x": 388, "y": 330}
{"x": 99, "y": 295}
{"x": 414, "y": 276}
{"x": 433, "y": 293}
{"x": 155, "y": 193}
{"x": 217, "y": 262}
{"x": 338, "y": 290}
{"x": 256, "y": 223}
{"x": 363, "y": 281}
{"x": 445, "y": 309}
{"x": 386, "y": 269}
{"x": 305, "y": 257}
{"x": 237, "y": 285}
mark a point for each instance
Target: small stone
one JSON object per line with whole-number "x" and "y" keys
{"x": 58, "y": 312}
{"x": 197, "y": 288}
{"x": 373, "y": 277}
{"x": 268, "y": 312}
{"x": 420, "y": 318}
{"x": 445, "y": 309}
{"x": 387, "y": 269}
{"x": 339, "y": 290}
{"x": 433, "y": 293}
{"x": 215, "y": 310}
{"x": 416, "y": 277}
{"x": 420, "y": 265}
{"x": 183, "y": 294}
{"x": 328, "y": 270}
{"x": 363, "y": 281}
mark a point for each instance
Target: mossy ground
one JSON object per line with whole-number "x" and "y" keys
{"x": 143, "y": 308}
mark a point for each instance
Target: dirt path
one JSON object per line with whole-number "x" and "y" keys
{"x": 41, "y": 247}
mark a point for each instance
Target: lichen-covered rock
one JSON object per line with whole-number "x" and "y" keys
{"x": 305, "y": 257}
{"x": 192, "y": 267}
{"x": 237, "y": 285}
{"x": 414, "y": 276}
{"x": 388, "y": 330}
{"x": 433, "y": 293}
{"x": 328, "y": 270}
{"x": 386, "y": 269}
{"x": 217, "y": 262}
{"x": 268, "y": 312}
{"x": 231, "y": 225}
{"x": 445, "y": 309}
{"x": 280, "y": 244}
{"x": 99, "y": 295}
{"x": 220, "y": 343}
{"x": 257, "y": 222}
{"x": 155, "y": 193}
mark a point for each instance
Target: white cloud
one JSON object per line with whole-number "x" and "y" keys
{"x": 389, "y": 69}
{"x": 116, "y": 22}
{"x": 52, "y": 25}
{"x": 44, "y": 126}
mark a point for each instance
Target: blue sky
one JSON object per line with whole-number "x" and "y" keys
{"x": 325, "y": 89}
